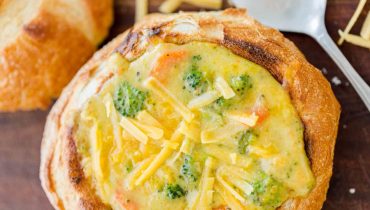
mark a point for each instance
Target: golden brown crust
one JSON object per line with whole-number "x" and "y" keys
{"x": 102, "y": 15}
{"x": 45, "y": 55}
{"x": 310, "y": 92}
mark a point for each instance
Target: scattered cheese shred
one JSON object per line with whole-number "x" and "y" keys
{"x": 138, "y": 170}
{"x": 233, "y": 157}
{"x": 203, "y": 198}
{"x": 133, "y": 130}
{"x": 206, "y": 194}
{"x": 190, "y": 130}
{"x": 242, "y": 185}
{"x": 228, "y": 187}
{"x": 163, "y": 155}
{"x": 151, "y": 131}
{"x": 107, "y": 103}
{"x": 112, "y": 114}
{"x": 96, "y": 147}
{"x": 186, "y": 147}
{"x": 229, "y": 199}
{"x": 245, "y": 118}
{"x": 164, "y": 93}
{"x": 217, "y": 134}
{"x": 224, "y": 88}
{"x": 265, "y": 151}
{"x": 352, "y": 21}
{"x": 169, "y": 6}
{"x": 354, "y": 39}
{"x": 210, "y": 4}
{"x": 172, "y": 145}
{"x": 365, "y": 30}
{"x": 203, "y": 100}
{"x": 141, "y": 9}
{"x": 154, "y": 165}
{"x": 146, "y": 117}
{"x": 227, "y": 156}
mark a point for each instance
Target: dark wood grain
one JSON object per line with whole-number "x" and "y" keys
{"x": 21, "y": 133}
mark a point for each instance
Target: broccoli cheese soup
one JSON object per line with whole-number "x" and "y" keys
{"x": 192, "y": 126}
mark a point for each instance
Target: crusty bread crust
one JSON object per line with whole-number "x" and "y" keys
{"x": 61, "y": 174}
{"x": 47, "y": 52}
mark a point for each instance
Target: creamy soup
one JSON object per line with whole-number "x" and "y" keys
{"x": 192, "y": 126}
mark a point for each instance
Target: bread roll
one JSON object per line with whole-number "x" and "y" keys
{"x": 43, "y": 43}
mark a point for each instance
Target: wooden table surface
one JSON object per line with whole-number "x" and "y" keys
{"x": 21, "y": 133}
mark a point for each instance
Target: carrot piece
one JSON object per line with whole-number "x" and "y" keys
{"x": 124, "y": 202}
{"x": 165, "y": 64}
{"x": 261, "y": 110}
{"x": 222, "y": 207}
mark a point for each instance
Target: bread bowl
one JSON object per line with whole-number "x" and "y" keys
{"x": 43, "y": 43}
{"x": 206, "y": 110}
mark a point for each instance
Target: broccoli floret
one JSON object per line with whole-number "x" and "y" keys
{"x": 268, "y": 192}
{"x": 194, "y": 80}
{"x": 221, "y": 104}
{"x": 174, "y": 191}
{"x": 196, "y": 58}
{"x": 188, "y": 169}
{"x": 245, "y": 139}
{"x": 241, "y": 83}
{"x": 129, "y": 166}
{"x": 128, "y": 100}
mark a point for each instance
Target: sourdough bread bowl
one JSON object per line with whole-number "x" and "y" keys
{"x": 206, "y": 110}
{"x": 42, "y": 45}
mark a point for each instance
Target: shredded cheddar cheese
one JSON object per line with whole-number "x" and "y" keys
{"x": 247, "y": 119}
{"x": 354, "y": 39}
{"x": 159, "y": 89}
{"x": 365, "y": 30}
{"x": 203, "y": 100}
{"x": 169, "y": 6}
{"x": 224, "y": 88}
{"x": 362, "y": 40}
{"x": 133, "y": 130}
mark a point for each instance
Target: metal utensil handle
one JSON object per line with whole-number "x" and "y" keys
{"x": 354, "y": 78}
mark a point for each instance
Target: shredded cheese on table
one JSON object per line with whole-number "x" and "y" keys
{"x": 354, "y": 39}
{"x": 141, "y": 9}
{"x": 365, "y": 30}
{"x": 169, "y": 6}
{"x": 364, "y": 39}
{"x": 352, "y": 20}
{"x": 210, "y": 4}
